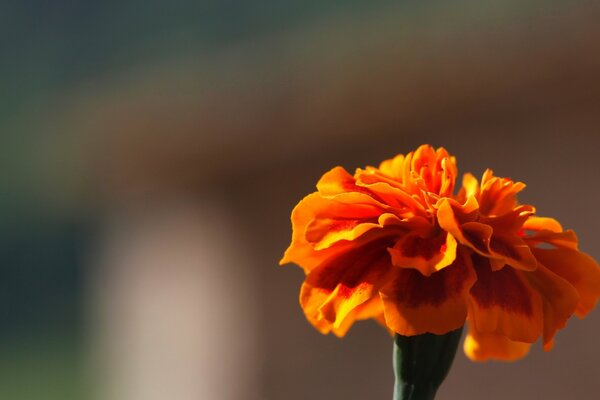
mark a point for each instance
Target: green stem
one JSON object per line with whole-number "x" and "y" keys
{"x": 422, "y": 362}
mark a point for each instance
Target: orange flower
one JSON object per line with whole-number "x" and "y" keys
{"x": 395, "y": 244}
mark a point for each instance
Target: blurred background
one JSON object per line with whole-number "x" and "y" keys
{"x": 151, "y": 153}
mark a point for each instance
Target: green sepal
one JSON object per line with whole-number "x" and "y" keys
{"x": 422, "y": 362}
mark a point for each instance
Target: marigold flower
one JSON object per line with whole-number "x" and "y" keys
{"x": 394, "y": 243}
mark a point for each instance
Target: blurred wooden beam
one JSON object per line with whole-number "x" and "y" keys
{"x": 350, "y": 79}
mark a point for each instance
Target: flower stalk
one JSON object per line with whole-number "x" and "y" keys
{"x": 422, "y": 362}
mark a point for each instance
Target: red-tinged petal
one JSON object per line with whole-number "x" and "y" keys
{"x": 503, "y": 302}
{"x": 500, "y": 246}
{"x": 324, "y": 232}
{"x": 559, "y": 301}
{"x": 511, "y": 222}
{"x": 332, "y": 292}
{"x": 477, "y": 236}
{"x": 427, "y": 255}
{"x": 342, "y": 212}
{"x": 480, "y": 346}
{"x": 513, "y": 251}
{"x": 579, "y": 269}
{"x": 452, "y": 214}
{"x": 415, "y": 304}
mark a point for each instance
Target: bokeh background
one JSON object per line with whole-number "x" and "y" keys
{"x": 151, "y": 152}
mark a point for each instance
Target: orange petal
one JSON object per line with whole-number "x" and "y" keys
{"x": 335, "y": 181}
{"x": 513, "y": 251}
{"x": 480, "y": 346}
{"x": 498, "y": 196}
{"x": 319, "y": 222}
{"x": 549, "y": 240}
{"x": 470, "y": 186}
{"x": 393, "y": 167}
{"x": 371, "y": 309}
{"x": 559, "y": 301}
{"x": 300, "y": 250}
{"x": 434, "y": 170}
{"x": 448, "y": 174}
{"x": 542, "y": 223}
{"x": 338, "y": 184}
{"x": 332, "y": 292}
{"x": 501, "y": 246}
{"x": 324, "y": 232}
{"x": 477, "y": 236}
{"x": 511, "y": 222}
{"x": 503, "y": 302}
{"x": 415, "y": 304}
{"x": 452, "y": 215}
{"x": 579, "y": 269}
{"x": 427, "y": 255}
{"x": 388, "y": 191}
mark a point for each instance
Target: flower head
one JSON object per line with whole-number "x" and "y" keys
{"x": 394, "y": 243}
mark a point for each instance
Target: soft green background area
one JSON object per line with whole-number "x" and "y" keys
{"x": 42, "y": 366}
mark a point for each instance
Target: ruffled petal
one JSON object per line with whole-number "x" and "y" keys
{"x": 382, "y": 188}
{"x": 324, "y": 231}
{"x": 426, "y": 169}
{"x": 415, "y": 304}
{"x": 319, "y": 223}
{"x": 300, "y": 251}
{"x": 427, "y": 255}
{"x": 337, "y": 184}
{"x": 510, "y": 222}
{"x": 498, "y": 196}
{"x": 503, "y": 302}
{"x": 559, "y": 298}
{"x": 435, "y": 168}
{"x": 494, "y": 238}
{"x": 335, "y": 181}
{"x": 513, "y": 251}
{"x": 579, "y": 269}
{"x": 480, "y": 346}
{"x": 372, "y": 309}
{"x": 333, "y": 292}
{"x": 452, "y": 216}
